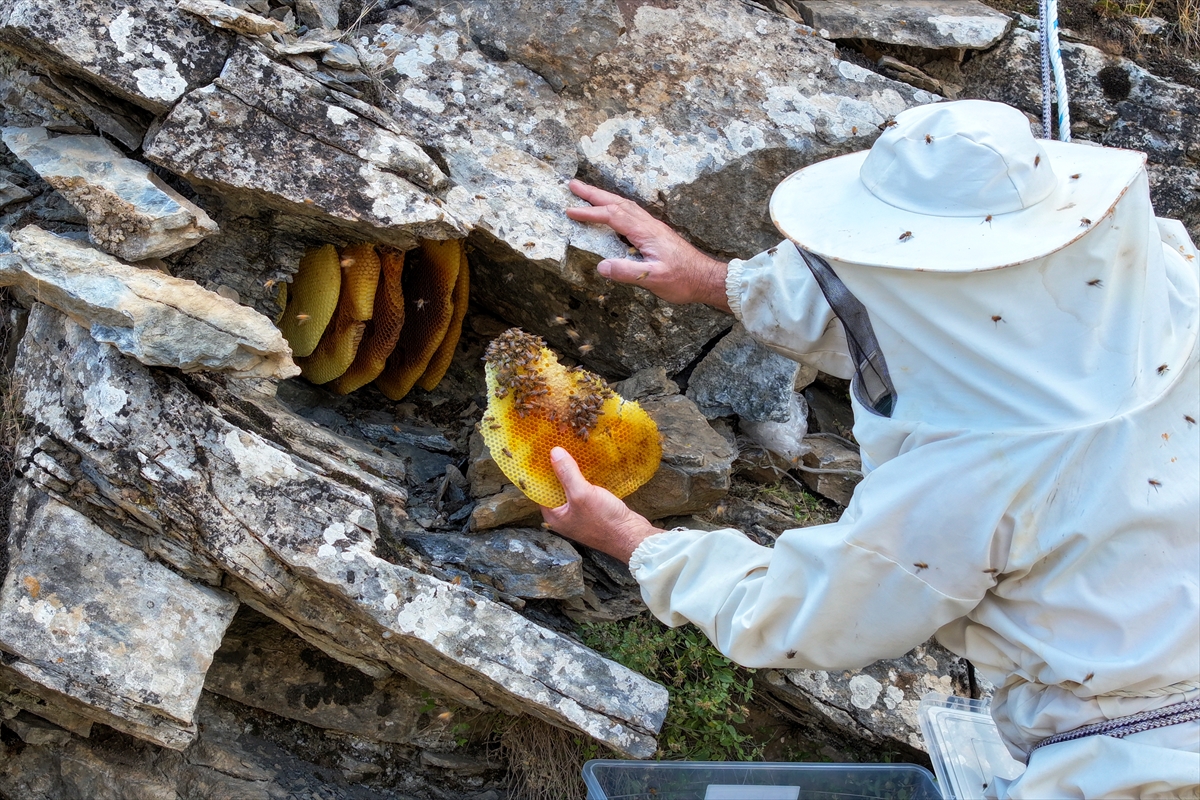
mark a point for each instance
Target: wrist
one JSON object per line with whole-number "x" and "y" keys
{"x": 631, "y": 535}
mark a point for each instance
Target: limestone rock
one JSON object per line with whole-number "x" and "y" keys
{"x": 157, "y": 319}
{"x": 262, "y": 131}
{"x": 877, "y": 703}
{"x": 524, "y": 562}
{"x": 263, "y": 665}
{"x": 15, "y": 699}
{"x": 648, "y": 382}
{"x": 145, "y": 51}
{"x": 509, "y": 506}
{"x": 742, "y": 376}
{"x": 222, "y": 15}
{"x": 844, "y": 465}
{"x": 35, "y": 731}
{"x": 929, "y": 24}
{"x": 318, "y": 13}
{"x": 97, "y": 621}
{"x": 11, "y": 193}
{"x": 131, "y": 213}
{"x": 297, "y": 545}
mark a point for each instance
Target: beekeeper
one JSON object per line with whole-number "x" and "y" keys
{"x": 1021, "y": 333}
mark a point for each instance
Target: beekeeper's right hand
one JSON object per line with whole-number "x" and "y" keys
{"x": 672, "y": 268}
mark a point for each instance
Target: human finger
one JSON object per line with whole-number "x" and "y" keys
{"x": 593, "y": 194}
{"x": 626, "y": 270}
{"x": 567, "y": 471}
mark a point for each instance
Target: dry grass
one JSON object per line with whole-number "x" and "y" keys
{"x": 544, "y": 762}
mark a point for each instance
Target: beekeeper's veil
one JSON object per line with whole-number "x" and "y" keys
{"x": 1010, "y": 283}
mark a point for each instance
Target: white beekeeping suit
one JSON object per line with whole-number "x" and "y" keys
{"x": 1034, "y": 495}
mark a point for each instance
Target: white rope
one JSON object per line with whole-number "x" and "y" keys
{"x": 1052, "y": 63}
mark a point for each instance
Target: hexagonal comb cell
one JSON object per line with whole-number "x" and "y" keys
{"x": 429, "y": 277}
{"x": 535, "y": 404}
{"x": 360, "y": 276}
{"x": 312, "y": 299}
{"x": 383, "y": 331}
{"x": 445, "y": 352}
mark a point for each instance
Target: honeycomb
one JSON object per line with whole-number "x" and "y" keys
{"x": 360, "y": 276}
{"x": 383, "y": 331}
{"x": 428, "y": 282}
{"x": 312, "y": 299}
{"x": 535, "y": 404}
{"x": 445, "y": 352}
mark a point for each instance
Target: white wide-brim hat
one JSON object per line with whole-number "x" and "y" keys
{"x": 953, "y": 187}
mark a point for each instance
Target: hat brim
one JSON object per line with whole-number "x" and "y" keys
{"x": 825, "y": 209}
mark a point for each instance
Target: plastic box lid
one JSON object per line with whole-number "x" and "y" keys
{"x": 964, "y": 746}
{"x": 738, "y": 780}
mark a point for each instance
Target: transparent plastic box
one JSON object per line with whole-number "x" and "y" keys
{"x": 737, "y": 780}
{"x": 965, "y": 747}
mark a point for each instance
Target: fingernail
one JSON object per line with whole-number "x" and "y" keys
{"x": 604, "y": 268}
{"x": 558, "y": 454}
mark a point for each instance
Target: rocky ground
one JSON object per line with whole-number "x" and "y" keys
{"x": 220, "y": 580}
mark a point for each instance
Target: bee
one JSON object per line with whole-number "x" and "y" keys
{"x": 269, "y": 283}
{"x": 528, "y": 245}
{"x": 546, "y": 525}
{"x": 480, "y": 197}
{"x": 854, "y": 130}
{"x": 1037, "y": 160}
{"x": 920, "y": 565}
{"x": 773, "y": 251}
{"x": 790, "y": 653}
{"x": 1088, "y": 677}
{"x": 987, "y": 219}
{"x": 1189, "y": 419}
{"x": 887, "y": 123}
{"x": 521, "y": 483}
{"x": 904, "y": 237}
{"x": 928, "y": 139}
{"x": 421, "y": 301}
{"x": 1099, "y": 284}
{"x": 996, "y": 318}
{"x": 1163, "y": 369}
{"x": 586, "y": 348}
{"x": 1155, "y": 483}
{"x": 308, "y": 201}
{"x": 508, "y": 276}
{"x": 1075, "y": 177}
{"x": 573, "y": 334}
{"x": 991, "y": 571}
{"x": 1084, "y": 222}
{"x": 446, "y": 716}
{"x": 302, "y": 319}
{"x": 643, "y": 276}
{"x": 631, "y": 251}
{"x": 507, "y": 452}
{"x": 560, "y": 320}
{"x": 601, "y": 299}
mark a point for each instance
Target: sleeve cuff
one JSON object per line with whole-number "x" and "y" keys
{"x": 652, "y": 546}
{"x": 733, "y": 287}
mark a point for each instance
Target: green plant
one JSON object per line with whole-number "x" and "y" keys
{"x": 709, "y": 692}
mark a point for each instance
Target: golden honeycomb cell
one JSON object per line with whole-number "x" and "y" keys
{"x": 338, "y": 346}
{"x": 536, "y": 404}
{"x": 312, "y": 299}
{"x": 462, "y": 289}
{"x": 429, "y": 276}
{"x": 383, "y": 331}
{"x": 360, "y": 277}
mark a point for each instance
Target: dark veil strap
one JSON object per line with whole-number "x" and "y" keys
{"x": 873, "y": 385}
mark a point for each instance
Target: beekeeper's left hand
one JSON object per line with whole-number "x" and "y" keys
{"x": 594, "y": 516}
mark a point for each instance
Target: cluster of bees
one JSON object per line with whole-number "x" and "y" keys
{"x": 371, "y": 313}
{"x": 536, "y": 404}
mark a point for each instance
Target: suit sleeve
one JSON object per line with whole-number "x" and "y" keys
{"x": 900, "y": 564}
{"x": 776, "y": 297}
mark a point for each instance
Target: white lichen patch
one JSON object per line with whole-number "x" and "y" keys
{"x": 864, "y": 691}
{"x": 338, "y": 115}
{"x": 258, "y": 461}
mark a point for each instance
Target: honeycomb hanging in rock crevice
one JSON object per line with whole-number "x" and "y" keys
{"x": 536, "y": 404}
{"x": 429, "y": 279}
{"x": 312, "y": 299}
{"x": 383, "y": 331}
{"x": 440, "y": 362}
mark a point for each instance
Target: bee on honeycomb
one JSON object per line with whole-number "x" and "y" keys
{"x": 536, "y": 404}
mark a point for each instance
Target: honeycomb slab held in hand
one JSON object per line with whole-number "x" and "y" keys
{"x": 536, "y": 404}
{"x": 312, "y": 299}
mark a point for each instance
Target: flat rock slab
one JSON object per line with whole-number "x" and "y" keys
{"x": 525, "y": 562}
{"x": 145, "y": 51}
{"x": 929, "y": 24}
{"x": 742, "y": 376}
{"x": 138, "y": 447}
{"x": 131, "y": 213}
{"x": 96, "y": 620}
{"x": 149, "y": 315}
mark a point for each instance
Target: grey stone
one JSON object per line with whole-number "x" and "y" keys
{"x": 262, "y": 664}
{"x": 840, "y": 469}
{"x": 162, "y": 461}
{"x": 1148, "y": 26}
{"x": 35, "y": 731}
{"x": 318, "y": 13}
{"x": 648, "y": 382}
{"x": 131, "y": 213}
{"x": 524, "y": 562}
{"x": 11, "y": 193}
{"x": 222, "y": 15}
{"x": 95, "y": 620}
{"x": 153, "y": 317}
{"x": 509, "y": 506}
{"x": 877, "y": 703}
{"x": 461, "y": 763}
{"x": 783, "y": 439}
{"x": 929, "y": 24}
{"x": 16, "y": 698}
{"x": 344, "y": 173}
{"x": 144, "y": 51}
{"x": 341, "y": 56}
{"x": 741, "y": 376}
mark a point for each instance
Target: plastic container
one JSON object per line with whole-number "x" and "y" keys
{"x": 964, "y": 745}
{"x": 737, "y": 780}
